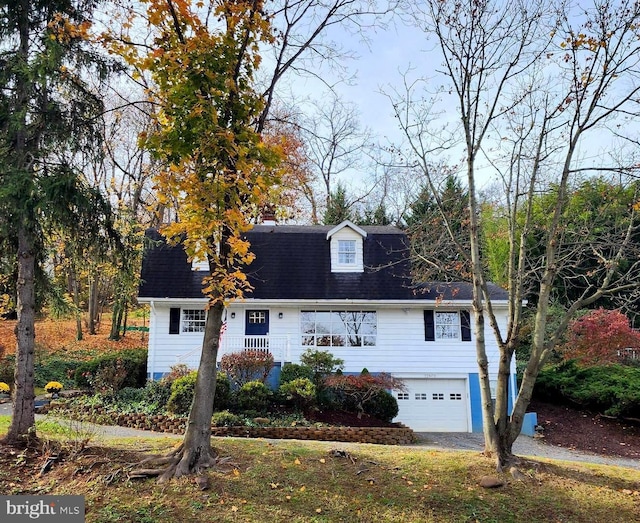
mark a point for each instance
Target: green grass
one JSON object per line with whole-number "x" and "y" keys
{"x": 293, "y": 481}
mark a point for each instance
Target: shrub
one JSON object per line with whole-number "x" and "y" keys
{"x": 292, "y": 371}
{"x": 182, "y": 391}
{"x": 222, "y": 398}
{"x": 300, "y": 391}
{"x": 383, "y": 406}
{"x": 246, "y": 366}
{"x": 357, "y": 393}
{"x": 157, "y": 394}
{"x": 254, "y": 395}
{"x": 131, "y": 395}
{"x": 176, "y": 371}
{"x": 133, "y": 361}
{"x": 224, "y": 418}
{"x": 54, "y": 369}
{"x": 613, "y": 389}
{"x": 322, "y": 364}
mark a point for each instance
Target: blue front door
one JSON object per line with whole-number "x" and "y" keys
{"x": 256, "y": 323}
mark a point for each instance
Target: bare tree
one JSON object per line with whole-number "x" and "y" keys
{"x": 336, "y": 144}
{"x": 531, "y": 83}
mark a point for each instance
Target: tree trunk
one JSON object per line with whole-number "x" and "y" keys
{"x": 93, "y": 304}
{"x": 73, "y": 288}
{"x": 23, "y": 419}
{"x": 196, "y": 452}
{"x": 116, "y": 321}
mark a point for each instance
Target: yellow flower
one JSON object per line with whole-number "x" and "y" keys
{"x": 53, "y": 386}
{"x": 4, "y": 387}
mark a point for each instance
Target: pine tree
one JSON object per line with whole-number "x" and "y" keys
{"x": 47, "y": 113}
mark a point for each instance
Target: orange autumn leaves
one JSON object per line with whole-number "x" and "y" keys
{"x": 219, "y": 171}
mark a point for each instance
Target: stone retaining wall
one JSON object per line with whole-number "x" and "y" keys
{"x": 399, "y": 435}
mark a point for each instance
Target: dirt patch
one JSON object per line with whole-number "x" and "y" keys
{"x": 587, "y": 431}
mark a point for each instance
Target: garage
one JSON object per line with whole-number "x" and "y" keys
{"x": 434, "y": 405}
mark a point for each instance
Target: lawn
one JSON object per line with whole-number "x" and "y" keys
{"x": 259, "y": 480}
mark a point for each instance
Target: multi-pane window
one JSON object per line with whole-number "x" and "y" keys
{"x": 338, "y": 328}
{"x": 447, "y": 325}
{"x": 257, "y": 317}
{"x": 193, "y": 320}
{"x": 347, "y": 252}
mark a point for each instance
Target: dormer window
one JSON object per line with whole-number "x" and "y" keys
{"x": 346, "y": 252}
{"x": 347, "y": 247}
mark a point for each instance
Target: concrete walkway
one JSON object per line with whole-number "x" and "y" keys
{"x": 524, "y": 445}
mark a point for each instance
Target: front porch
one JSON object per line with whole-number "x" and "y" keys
{"x": 278, "y": 346}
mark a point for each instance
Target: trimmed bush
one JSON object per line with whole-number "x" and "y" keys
{"x": 300, "y": 391}
{"x": 222, "y": 399}
{"x": 292, "y": 371}
{"x": 132, "y": 361}
{"x": 613, "y": 389}
{"x": 254, "y": 396}
{"x": 383, "y": 406}
{"x": 224, "y": 418}
{"x": 182, "y": 391}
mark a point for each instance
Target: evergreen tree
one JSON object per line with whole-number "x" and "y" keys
{"x": 338, "y": 208}
{"x": 437, "y": 225}
{"x": 47, "y": 113}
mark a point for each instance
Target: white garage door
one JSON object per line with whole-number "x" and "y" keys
{"x": 433, "y": 405}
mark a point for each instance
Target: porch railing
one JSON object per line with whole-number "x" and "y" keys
{"x": 278, "y": 346}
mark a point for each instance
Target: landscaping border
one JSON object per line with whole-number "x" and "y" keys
{"x": 399, "y": 435}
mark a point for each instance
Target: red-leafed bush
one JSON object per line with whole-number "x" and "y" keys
{"x": 248, "y": 365}
{"x": 360, "y": 392}
{"x": 599, "y": 337}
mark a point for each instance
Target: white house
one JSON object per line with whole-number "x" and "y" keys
{"x": 345, "y": 289}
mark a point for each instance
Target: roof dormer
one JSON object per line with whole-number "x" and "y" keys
{"x": 347, "y": 247}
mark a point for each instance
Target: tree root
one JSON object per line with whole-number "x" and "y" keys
{"x": 176, "y": 464}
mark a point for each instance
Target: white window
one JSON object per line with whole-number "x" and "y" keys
{"x": 193, "y": 320}
{"x": 338, "y": 328}
{"x": 257, "y": 317}
{"x": 447, "y": 325}
{"x": 347, "y": 252}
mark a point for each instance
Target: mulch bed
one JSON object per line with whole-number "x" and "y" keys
{"x": 587, "y": 431}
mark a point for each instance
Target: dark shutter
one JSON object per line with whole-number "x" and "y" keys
{"x": 465, "y": 325}
{"x": 174, "y": 320}
{"x": 429, "y": 326}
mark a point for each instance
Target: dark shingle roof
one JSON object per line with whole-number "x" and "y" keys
{"x": 293, "y": 262}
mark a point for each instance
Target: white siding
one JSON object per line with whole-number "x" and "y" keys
{"x": 165, "y": 348}
{"x": 401, "y": 347}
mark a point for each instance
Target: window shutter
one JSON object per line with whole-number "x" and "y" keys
{"x": 174, "y": 320}
{"x": 429, "y": 326}
{"x": 465, "y": 325}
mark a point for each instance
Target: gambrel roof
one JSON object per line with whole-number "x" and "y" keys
{"x": 293, "y": 263}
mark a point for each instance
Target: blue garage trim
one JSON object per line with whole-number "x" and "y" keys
{"x": 475, "y": 402}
